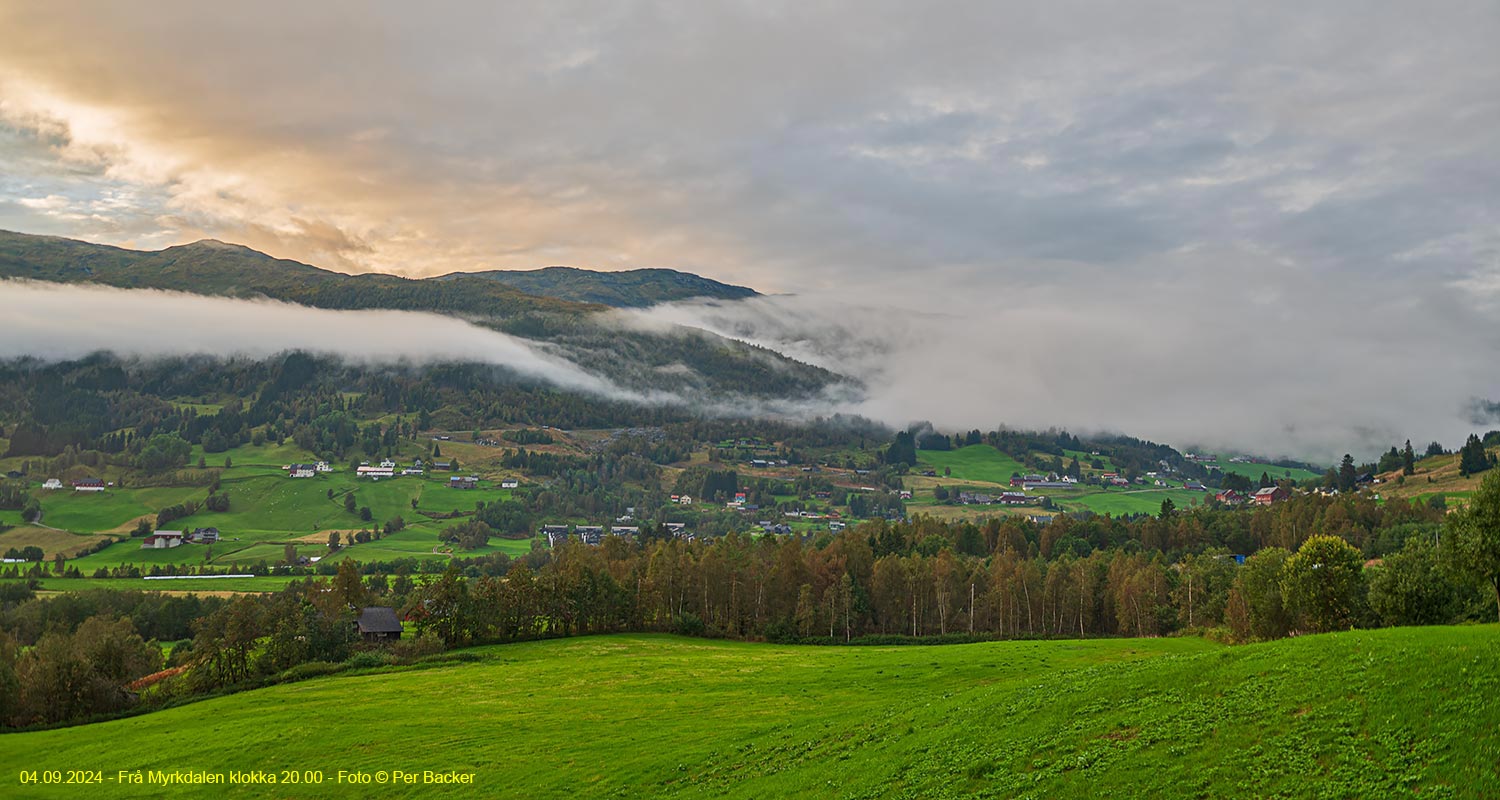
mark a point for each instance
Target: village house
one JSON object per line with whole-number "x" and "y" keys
{"x": 1194, "y": 486}
{"x": 443, "y": 465}
{"x": 375, "y": 472}
{"x": 379, "y": 624}
{"x": 590, "y": 534}
{"x": 1271, "y": 494}
{"x": 88, "y": 485}
{"x": 323, "y": 466}
{"x": 509, "y": 483}
{"x": 204, "y": 535}
{"x": 301, "y": 471}
{"x": 52, "y": 483}
{"x": 413, "y": 470}
{"x": 161, "y": 540}
{"x": 464, "y": 482}
{"x": 387, "y": 464}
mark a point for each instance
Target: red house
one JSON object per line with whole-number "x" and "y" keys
{"x": 1271, "y": 494}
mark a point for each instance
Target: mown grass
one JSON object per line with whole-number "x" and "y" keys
{"x": 1253, "y": 470}
{"x": 1397, "y": 712}
{"x": 976, "y": 462}
{"x": 1131, "y": 501}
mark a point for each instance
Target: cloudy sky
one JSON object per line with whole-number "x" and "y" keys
{"x": 1175, "y": 184}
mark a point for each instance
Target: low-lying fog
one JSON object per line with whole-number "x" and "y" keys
{"x": 1260, "y": 363}
{"x": 1238, "y": 359}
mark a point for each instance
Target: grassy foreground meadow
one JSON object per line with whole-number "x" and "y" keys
{"x": 1394, "y": 712}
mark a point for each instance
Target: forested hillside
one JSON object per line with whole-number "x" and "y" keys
{"x": 625, "y": 289}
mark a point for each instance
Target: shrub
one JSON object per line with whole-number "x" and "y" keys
{"x": 310, "y": 669}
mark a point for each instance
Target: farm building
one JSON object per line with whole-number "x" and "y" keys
{"x": 301, "y": 471}
{"x": 1271, "y": 494}
{"x": 443, "y": 465}
{"x": 52, "y": 483}
{"x": 161, "y": 540}
{"x": 375, "y": 472}
{"x": 379, "y": 624}
{"x": 556, "y": 534}
{"x": 88, "y": 485}
{"x": 509, "y": 483}
{"x": 464, "y": 482}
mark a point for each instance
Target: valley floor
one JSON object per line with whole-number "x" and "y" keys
{"x": 1395, "y": 712}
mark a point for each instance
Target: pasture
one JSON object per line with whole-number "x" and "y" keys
{"x": 976, "y": 462}
{"x": 1407, "y": 712}
{"x": 1253, "y": 470}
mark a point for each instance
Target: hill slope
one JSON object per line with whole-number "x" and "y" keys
{"x": 634, "y": 288}
{"x": 1360, "y": 714}
{"x": 1433, "y": 475}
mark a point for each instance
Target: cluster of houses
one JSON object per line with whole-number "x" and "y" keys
{"x": 384, "y": 469}
{"x": 162, "y": 540}
{"x": 1262, "y": 497}
{"x": 1004, "y": 499}
{"x": 389, "y": 469}
{"x": 307, "y": 470}
{"x": 594, "y": 534}
{"x": 1052, "y": 481}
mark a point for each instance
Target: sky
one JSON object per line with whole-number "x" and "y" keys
{"x": 1245, "y": 210}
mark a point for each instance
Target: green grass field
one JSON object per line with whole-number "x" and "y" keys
{"x": 976, "y": 462}
{"x": 1395, "y": 712}
{"x": 1253, "y": 471}
{"x": 1131, "y": 501}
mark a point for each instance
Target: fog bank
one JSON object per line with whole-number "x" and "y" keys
{"x": 54, "y": 322}
{"x": 1247, "y": 357}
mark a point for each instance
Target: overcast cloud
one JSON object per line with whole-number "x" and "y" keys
{"x": 1199, "y": 185}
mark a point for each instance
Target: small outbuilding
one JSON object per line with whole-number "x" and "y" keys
{"x": 379, "y": 624}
